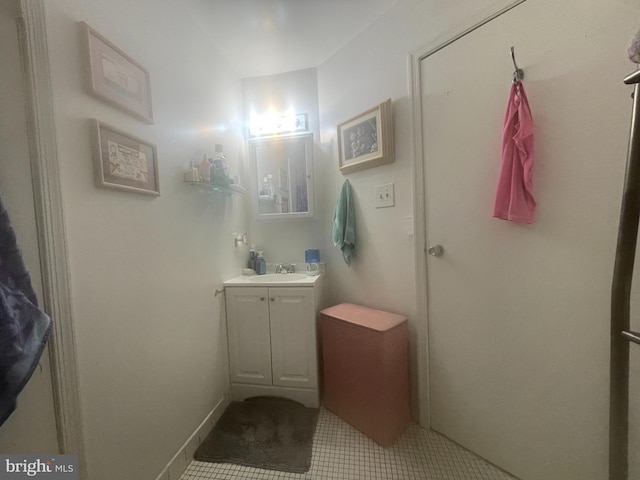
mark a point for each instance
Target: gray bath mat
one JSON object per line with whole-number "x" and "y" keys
{"x": 265, "y": 432}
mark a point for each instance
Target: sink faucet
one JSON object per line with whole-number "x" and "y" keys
{"x": 284, "y": 268}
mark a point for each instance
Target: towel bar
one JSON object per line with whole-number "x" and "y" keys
{"x": 633, "y": 337}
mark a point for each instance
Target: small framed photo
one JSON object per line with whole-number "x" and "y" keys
{"x": 124, "y": 162}
{"x": 117, "y": 78}
{"x": 366, "y": 140}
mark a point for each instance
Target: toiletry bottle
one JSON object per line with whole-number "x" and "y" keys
{"x": 219, "y": 155}
{"x": 195, "y": 173}
{"x": 261, "y": 265}
{"x": 252, "y": 258}
{"x": 188, "y": 174}
{"x": 205, "y": 169}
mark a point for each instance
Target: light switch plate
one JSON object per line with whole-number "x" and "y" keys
{"x": 384, "y": 195}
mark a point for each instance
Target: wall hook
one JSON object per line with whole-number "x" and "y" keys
{"x": 518, "y": 73}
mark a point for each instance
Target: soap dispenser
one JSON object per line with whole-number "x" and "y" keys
{"x": 261, "y": 265}
{"x": 253, "y": 258}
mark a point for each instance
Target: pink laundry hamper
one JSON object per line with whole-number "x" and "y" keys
{"x": 366, "y": 369}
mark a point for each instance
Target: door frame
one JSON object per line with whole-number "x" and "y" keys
{"x": 52, "y": 243}
{"x": 419, "y": 211}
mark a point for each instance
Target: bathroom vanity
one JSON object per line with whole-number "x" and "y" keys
{"x": 272, "y": 334}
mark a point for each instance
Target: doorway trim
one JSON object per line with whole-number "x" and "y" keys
{"x": 52, "y": 242}
{"x": 419, "y": 212}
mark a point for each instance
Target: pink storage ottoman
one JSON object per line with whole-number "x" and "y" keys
{"x": 366, "y": 369}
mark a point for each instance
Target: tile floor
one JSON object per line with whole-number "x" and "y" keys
{"x": 341, "y": 452}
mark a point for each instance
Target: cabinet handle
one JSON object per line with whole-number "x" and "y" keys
{"x": 262, "y": 299}
{"x": 273, "y": 299}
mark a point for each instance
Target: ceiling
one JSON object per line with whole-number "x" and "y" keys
{"x": 266, "y": 37}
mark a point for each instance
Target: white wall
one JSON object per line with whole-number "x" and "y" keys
{"x": 31, "y": 428}
{"x": 150, "y": 335}
{"x": 373, "y": 67}
{"x": 286, "y": 241}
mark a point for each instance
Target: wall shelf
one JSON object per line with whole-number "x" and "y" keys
{"x": 210, "y": 187}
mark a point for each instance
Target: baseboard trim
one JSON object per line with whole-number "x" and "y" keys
{"x": 178, "y": 464}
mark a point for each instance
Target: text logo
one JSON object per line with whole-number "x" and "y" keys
{"x": 39, "y": 467}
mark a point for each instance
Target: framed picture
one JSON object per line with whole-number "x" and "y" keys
{"x": 366, "y": 141}
{"x": 124, "y": 162}
{"x": 117, "y": 78}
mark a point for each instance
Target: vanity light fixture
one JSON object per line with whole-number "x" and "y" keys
{"x": 272, "y": 123}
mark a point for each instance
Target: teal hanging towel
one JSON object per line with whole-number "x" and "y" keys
{"x": 344, "y": 223}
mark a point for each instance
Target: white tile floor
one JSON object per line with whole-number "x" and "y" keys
{"x": 340, "y": 452}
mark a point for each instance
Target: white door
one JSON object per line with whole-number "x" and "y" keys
{"x": 249, "y": 334}
{"x": 293, "y": 343}
{"x": 519, "y": 315}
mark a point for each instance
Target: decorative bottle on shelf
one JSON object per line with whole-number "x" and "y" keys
{"x": 219, "y": 155}
{"x": 205, "y": 169}
{"x": 192, "y": 174}
{"x": 261, "y": 265}
{"x": 195, "y": 173}
{"x": 220, "y": 168}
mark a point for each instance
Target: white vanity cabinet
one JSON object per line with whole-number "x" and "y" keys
{"x": 272, "y": 341}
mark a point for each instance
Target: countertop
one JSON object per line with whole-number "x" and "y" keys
{"x": 274, "y": 280}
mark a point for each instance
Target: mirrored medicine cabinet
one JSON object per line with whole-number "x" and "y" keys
{"x": 283, "y": 187}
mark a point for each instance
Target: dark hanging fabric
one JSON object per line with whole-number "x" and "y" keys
{"x": 24, "y": 329}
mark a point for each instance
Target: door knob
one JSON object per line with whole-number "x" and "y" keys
{"x": 435, "y": 250}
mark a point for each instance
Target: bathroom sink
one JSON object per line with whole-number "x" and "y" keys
{"x": 273, "y": 279}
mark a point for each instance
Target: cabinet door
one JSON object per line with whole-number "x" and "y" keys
{"x": 249, "y": 335}
{"x": 293, "y": 337}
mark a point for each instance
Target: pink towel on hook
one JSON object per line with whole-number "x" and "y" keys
{"x": 514, "y": 195}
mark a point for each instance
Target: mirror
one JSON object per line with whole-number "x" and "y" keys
{"x": 283, "y": 183}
